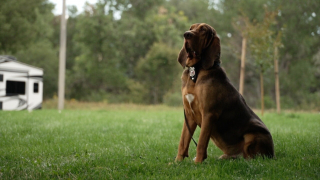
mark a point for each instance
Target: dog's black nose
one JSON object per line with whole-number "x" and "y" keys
{"x": 188, "y": 35}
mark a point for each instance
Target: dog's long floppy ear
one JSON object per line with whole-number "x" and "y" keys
{"x": 182, "y": 58}
{"x": 211, "y": 53}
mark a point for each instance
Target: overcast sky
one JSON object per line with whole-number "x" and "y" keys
{"x": 78, "y": 3}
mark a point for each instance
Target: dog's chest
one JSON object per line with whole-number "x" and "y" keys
{"x": 191, "y": 102}
{"x": 190, "y": 99}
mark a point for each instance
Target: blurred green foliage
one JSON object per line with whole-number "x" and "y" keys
{"x": 126, "y": 50}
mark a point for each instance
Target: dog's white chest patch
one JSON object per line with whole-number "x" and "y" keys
{"x": 190, "y": 98}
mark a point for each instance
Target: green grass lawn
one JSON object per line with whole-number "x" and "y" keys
{"x": 140, "y": 143}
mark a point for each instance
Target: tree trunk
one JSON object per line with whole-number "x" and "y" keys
{"x": 62, "y": 58}
{"x": 243, "y": 58}
{"x": 276, "y": 75}
{"x": 155, "y": 95}
{"x": 262, "y": 92}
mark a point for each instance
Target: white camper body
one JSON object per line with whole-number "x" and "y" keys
{"x": 21, "y": 85}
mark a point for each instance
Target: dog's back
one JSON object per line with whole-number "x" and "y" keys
{"x": 237, "y": 123}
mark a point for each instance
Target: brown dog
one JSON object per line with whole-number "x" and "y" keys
{"x": 211, "y": 102}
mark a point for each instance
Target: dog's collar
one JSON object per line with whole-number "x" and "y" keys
{"x": 194, "y": 70}
{"x": 193, "y": 73}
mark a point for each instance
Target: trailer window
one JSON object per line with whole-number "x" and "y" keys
{"x": 35, "y": 87}
{"x": 15, "y": 88}
{"x": 1, "y": 77}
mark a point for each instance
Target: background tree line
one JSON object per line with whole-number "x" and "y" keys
{"x": 125, "y": 50}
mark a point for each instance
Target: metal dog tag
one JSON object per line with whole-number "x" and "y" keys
{"x": 192, "y": 71}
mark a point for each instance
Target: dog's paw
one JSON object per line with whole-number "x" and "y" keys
{"x": 225, "y": 156}
{"x": 197, "y": 161}
{"x": 179, "y": 158}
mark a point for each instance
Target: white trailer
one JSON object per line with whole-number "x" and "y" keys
{"x": 21, "y": 85}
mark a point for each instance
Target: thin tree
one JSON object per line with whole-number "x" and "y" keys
{"x": 261, "y": 45}
{"x": 242, "y": 25}
{"x": 62, "y": 57}
{"x": 243, "y": 58}
{"x": 277, "y": 44}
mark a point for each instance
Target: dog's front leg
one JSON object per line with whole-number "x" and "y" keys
{"x": 206, "y": 129}
{"x": 185, "y": 140}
